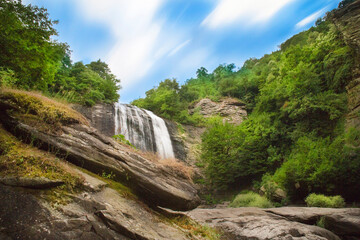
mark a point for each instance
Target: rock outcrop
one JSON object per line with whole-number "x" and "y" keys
{"x": 101, "y": 116}
{"x": 93, "y": 215}
{"x": 85, "y": 147}
{"x": 347, "y": 21}
{"x": 282, "y": 223}
{"x": 343, "y": 222}
{"x": 176, "y": 140}
{"x": 37, "y": 183}
{"x": 231, "y": 109}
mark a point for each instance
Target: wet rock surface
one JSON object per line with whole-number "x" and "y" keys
{"x": 281, "y": 223}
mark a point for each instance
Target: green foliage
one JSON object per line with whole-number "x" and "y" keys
{"x": 85, "y": 84}
{"x": 298, "y": 101}
{"x": 320, "y": 200}
{"x": 110, "y": 175}
{"x": 121, "y": 138}
{"x": 26, "y": 43}
{"x": 251, "y": 199}
{"x": 321, "y": 222}
{"x": 270, "y": 188}
{"x": 7, "y": 78}
{"x": 319, "y": 165}
{"x": 31, "y": 59}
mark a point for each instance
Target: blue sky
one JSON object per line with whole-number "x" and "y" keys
{"x": 146, "y": 41}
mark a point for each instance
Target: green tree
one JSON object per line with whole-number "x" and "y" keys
{"x": 26, "y": 44}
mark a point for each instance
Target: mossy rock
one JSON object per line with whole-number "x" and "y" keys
{"x": 34, "y": 108}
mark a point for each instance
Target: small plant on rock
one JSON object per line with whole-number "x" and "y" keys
{"x": 121, "y": 138}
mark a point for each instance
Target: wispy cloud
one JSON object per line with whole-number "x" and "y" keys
{"x": 177, "y": 48}
{"x": 311, "y": 18}
{"x": 136, "y": 30}
{"x": 243, "y": 11}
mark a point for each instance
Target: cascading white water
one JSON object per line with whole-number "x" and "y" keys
{"x": 162, "y": 136}
{"x": 143, "y": 129}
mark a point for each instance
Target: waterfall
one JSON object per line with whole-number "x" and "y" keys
{"x": 143, "y": 129}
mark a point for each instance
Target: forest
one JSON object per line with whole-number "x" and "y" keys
{"x": 31, "y": 59}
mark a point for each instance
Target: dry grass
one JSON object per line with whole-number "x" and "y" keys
{"x": 194, "y": 229}
{"x": 43, "y": 108}
{"x": 171, "y": 164}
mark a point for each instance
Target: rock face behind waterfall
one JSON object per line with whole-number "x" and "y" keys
{"x": 101, "y": 117}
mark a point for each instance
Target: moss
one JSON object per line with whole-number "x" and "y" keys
{"x": 21, "y": 160}
{"x": 194, "y": 229}
{"x": 120, "y": 188}
{"x": 36, "y": 108}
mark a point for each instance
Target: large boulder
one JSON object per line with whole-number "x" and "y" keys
{"x": 344, "y": 222}
{"x": 282, "y": 223}
{"x": 254, "y": 223}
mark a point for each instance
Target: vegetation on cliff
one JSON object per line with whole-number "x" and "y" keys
{"x": 31, "y": 59}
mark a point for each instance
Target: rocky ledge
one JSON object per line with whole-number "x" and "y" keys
{"x": 86, "y": 147}
{"x": 282, "y": 223}
{"x": 99, "y": 213}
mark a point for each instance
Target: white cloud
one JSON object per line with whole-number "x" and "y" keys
{"x": 244, "y": 11}
{"x": 136, "y": 30}
{"x": 311, "y": 18}
{"x": 177, "y": 48}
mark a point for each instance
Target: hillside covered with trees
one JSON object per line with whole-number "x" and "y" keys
{"x": 31, "y": 59}
{"x": 295, "y": 137}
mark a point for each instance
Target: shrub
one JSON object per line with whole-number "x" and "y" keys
{"x": 320, "y": 200}
{"x": 251, "y": 199}
{"x": 121, "y": 138}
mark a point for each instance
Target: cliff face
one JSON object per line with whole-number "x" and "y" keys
{"x": 101, "y": 116}
{"x": 231, "y": 109}
{"x": 347, "y": 21}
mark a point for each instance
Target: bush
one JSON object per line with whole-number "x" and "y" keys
{"x": 251, "y": 199}
{"x": 320, "y": 200}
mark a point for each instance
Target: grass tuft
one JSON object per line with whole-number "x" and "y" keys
{"x": 251, "y": 199}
